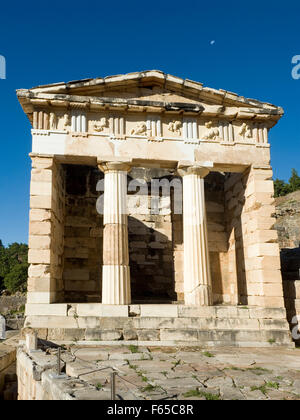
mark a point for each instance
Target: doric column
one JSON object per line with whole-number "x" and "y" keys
{"x": 115, "y": 272}
{"x": 197, "y": 280}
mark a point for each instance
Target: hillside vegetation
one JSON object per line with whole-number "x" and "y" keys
{"x": 13, "y": 267}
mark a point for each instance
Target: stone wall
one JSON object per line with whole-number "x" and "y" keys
{"x": 155, "y": 240}
{"x": 83, "y": 235}
{"x": 45, "y": 231}
{"x": 7, "y": 359}
{"x": 288, "y": 227}
{"x": 253, "y": 257}
{"x": 12, "y": 304}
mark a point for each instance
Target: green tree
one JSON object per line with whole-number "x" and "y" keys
{"x": 13, "y": 267}
{"x": 16, "y": 279}
{"x": 281, "y": 188}
{"x": 294, "y": 181}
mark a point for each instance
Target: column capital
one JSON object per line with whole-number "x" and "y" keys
{"x": 202, "y": 171}
{"x": 114, "y": 166}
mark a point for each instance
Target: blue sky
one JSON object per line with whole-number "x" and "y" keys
{"x": 61, "y": 41}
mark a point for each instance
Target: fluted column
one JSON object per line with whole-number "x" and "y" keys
{"x": 115, "y": 272}
{"x": 197, "y": 279}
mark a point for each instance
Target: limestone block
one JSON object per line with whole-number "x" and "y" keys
{"x": 40, "y": 284}
{"x": 259, "y": 186}
{"x": 261, "y": 223}
{"x": 41, "y": 175}
{"x": 41, "y": 297}
{"x": 31, "y": 341}
{"x": 196, "y": 311}
{"x": 262, "y": 289}
{"x": 81, "y": 286}
{"x": 39, "y": 256}
{"x": 274, "y": 324}
{"x": 41, "y": 202}
{"x": 80, "y": 242}
{"x": 273, "y": 290}
{"x": 76, "y": 274}
{"x": 159, "y": 310}
{"x": 40, "y": 228}
{"x": 148, "y": 335}
{"x": 266, "y": 301}
{"x": 130, "y": 335}
{"x": 260, "y": 250}
{"x": 41, "y": 188}
{"x": 2, "y": 328}
{"x": 78, "y": 252}
{"x": 39, "y": 241}
{"x": 59, "y": 309}
{"x": 263, "y": 263}
{"x": 97, "y": 309}
{"x": 231, "y": 312}
{"x": 40, "y": 215}
{"x": 67, "y": 334}
{"x": 42, "y": 162}
{"x": 50, "y": 321}
{"x": 263, "y": 236}
{"x": 79, "y": 221}
{"x": 261, "y": 174}
{"x": 178, "y": 335}
{"x": 108, "y": 335}
{"x": 264, "y": 276}
{"x": 39, "y": 270}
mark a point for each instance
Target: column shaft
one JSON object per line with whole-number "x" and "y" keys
{"x": 197, "y": 279}
{"x": 115, "y": 272}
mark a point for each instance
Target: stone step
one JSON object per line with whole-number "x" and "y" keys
{"x": 143, "y": 323}
{"x": 178, "y": 343}
{"x": 177, "y": 336}
{"x": 154, "y": 311}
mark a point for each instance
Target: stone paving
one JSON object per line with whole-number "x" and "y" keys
{"x": 187, "y": 373}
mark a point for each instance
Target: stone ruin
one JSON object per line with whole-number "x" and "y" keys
{"x": 182, "y": 245}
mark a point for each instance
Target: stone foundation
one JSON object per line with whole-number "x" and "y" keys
{"x": 161, "y": 324}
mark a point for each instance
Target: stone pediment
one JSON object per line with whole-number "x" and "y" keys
{"x": 154, "y": 89}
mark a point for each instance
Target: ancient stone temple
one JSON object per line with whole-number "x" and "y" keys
{"x": 151, "y": 213}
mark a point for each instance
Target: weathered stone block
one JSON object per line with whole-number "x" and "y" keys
{"x": 178, "y": 335}
{"x": 159, "y": 310}
{"x": 2, "y": 328}
{"x": 130, "y": 335}
{"x": 59, "y": 309}
{"x": 148, "y": 335}
{"x": 108, "y": 335}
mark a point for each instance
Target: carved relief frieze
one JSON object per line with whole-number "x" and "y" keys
{"x": 67, "y": 120}
{"x": 101, "y": 125}
{"x": 175, "y": 127}
{"x": 246, "y": 131}
{"x": 155, "y": 127}
{"x": 211, "y": 133}
{"x": 140, "y": 130}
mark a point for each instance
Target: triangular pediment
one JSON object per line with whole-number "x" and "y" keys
{"x": 150, "y": 89}
{"x": 150, "y": 85}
